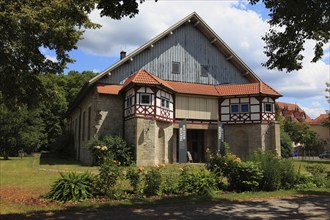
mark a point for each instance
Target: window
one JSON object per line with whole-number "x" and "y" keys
{"x": 234, "y": 108}
{"x": 268, "y": 107}
{"x": 244, "y": 108}
{"x": 129, "y": 101}
{"x": 165, "y": 103}
{"x": 239, "y": 108}
{"x": 83, "y": 126}
{"x": 176, "y": 67}
{"x": 145, "y": 99}
{"x": 89, "y": 123}
{"x": 204, "y": 70}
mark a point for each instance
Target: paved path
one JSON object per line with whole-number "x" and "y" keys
{"x": 309, "y": 207}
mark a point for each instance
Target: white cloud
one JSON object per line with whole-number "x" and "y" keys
{"x": 316, "y": 104}
{"x": 313, "y": 112}
{"x": 241, "y": 29}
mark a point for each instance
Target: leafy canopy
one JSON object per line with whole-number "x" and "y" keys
{"x": 292, "y": 23}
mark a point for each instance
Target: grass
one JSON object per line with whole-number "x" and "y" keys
{"x": 23, "y": 183}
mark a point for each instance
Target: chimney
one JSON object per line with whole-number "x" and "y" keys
{"x": 122, "y": 54}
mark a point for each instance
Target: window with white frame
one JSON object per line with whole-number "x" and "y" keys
{"x": 245, "y": 108}
{"x": 240, "y": 108}
{"x": 234, "y": 108}
{"x": 268, "y": 107}
{"x": 145, "y": 99}
{"x": 165, "y": 102}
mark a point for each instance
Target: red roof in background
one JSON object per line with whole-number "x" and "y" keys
{"x": 108, "y": 89}
{"x": 144, "y": 77}
{"x": 289, "y": 109}
{"x": 320, "y": 119}
{"x": 289, "y": 106}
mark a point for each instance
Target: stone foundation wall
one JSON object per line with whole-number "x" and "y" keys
{"x": 244, "y": 139}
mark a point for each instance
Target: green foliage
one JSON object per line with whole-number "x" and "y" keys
{"x": 245, "y": 176}
{"x": 134, "y": 177}
{"x": 109, "y": 172}
{"x": 302, "y": 181}
{"x": 277, "y": 173}
{"x": 114, "y": 146}
{"x": 318, "y": 172}
{"x": 153, "y": 181}
{"x": 286, "y": 144}
{"x": 310, "y": 20}
{"x": 171, "y": 184}
{"x": 196, "y": 181}
{"x": 72, "y": 187}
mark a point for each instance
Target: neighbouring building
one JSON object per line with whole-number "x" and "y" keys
{"x": 293, "y": 112}
{"x": 185, "y": 90}
{"x": 323, "y": 131}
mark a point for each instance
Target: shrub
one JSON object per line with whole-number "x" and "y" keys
{"x": 245, "y": 176}
{"x": 303, "y": 181}
{"x": 200, "y": 181}
{"x": 109, "y": 172}
{"x": 134, "y": 177}
{"x": 170, "y": 185}
{"x": 113, "y": 146}
{"x": 288, "y": 174}
{"x": 318, "y": 172}
{"x": 153, "y": 180}
{"x": 72, "y": 187}
{"x": 271, "y": 167}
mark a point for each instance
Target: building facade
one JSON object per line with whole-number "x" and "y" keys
{"x": 176, "y": 94}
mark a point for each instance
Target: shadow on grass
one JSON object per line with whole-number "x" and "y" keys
{"x": 195, "y": 207}
{"x": 49, "y": 158}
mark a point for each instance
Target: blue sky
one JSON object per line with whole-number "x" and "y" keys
{"x": 239, "y": 24}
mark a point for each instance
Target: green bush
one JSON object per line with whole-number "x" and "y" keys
{"x": 72, "y": 187}
{"x": 319, "y": 174}
{"x": 152, "y": 182}
{"x": 288, "y": 174}
{"x": 113, "y": 146}
{"x": 245, "y": 176}
{"x": 271, "y": 167}
{"x": 134, "y": 178}
{"x": 170, "y": 184}
{"x": 303, "y": 181}
{"x": 200, "y": 181}
{"x": 109, "y": 172}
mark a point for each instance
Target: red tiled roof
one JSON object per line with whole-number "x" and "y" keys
{"x": 289, "y": 106}
{"x": 197, "y": 89}
{"x": 144, "y": 77}
{"x": 320, "y": 119}
{"x": 108, "y": 89}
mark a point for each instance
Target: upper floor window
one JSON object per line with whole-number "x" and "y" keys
{"x": 268, "y": 107}
{"x": 145, "y": 99}
{"x": 129, "y": 101}
{"x": 204, "y": 70}
{"x": 165, "y": 103}
{"x": 244, "y": 108}
{"x": 234, "y": 108}
{"x": 176, "y": 67}
{"x": 239, "y": 108}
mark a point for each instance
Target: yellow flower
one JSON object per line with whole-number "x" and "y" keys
{"x": 238, "y": 159}
{"x": 104, "y": 148}
{"x": 181, "y": 169}
{"x": 97, "y": 147}
{"x": 141, "y": 168}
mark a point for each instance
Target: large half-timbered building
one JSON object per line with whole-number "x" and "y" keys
{"x": 184, "y": 90}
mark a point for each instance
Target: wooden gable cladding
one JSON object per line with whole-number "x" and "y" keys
{"x": 154, "y": 107}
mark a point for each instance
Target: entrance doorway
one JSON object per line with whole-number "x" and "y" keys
{"x": 195, "y": 145}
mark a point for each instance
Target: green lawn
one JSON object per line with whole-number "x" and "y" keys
{"x": 24, "y": 181}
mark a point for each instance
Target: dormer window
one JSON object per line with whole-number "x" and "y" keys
{"x": 145, "y": 99}
{"x": 176, "y": 67}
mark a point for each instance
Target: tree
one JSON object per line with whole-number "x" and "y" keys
{"x": 29, "y": 26}
{"x": 292, "y": 23}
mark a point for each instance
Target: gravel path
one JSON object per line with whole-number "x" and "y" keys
{"x": 308, "y": 207}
